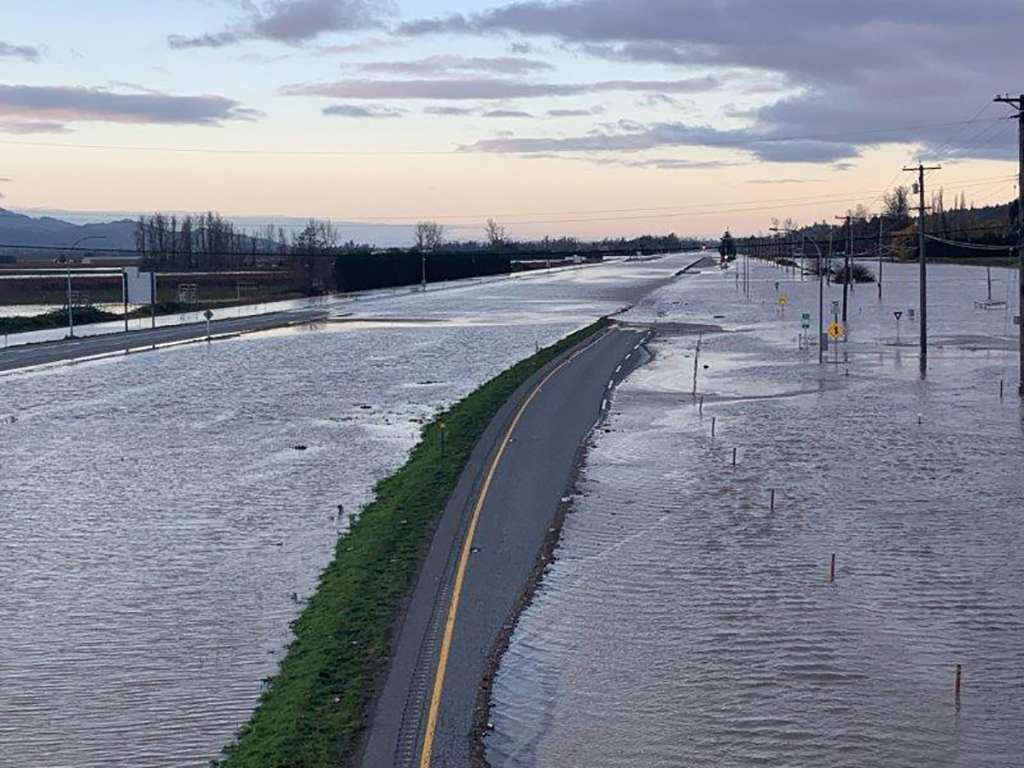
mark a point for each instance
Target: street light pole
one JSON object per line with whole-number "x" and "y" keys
{"x": 71, "y": 314}
{"x": 821, "y": 294}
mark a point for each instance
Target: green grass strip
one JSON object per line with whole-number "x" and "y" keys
{"x": 312, "y": 711}
{"x": 58, "y": 318}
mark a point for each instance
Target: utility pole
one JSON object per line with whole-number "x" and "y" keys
{"x": 923, "y": 310}
{"x": 846, "y": 261}
{"x": 878, "y": 247}
{"x": 124, "y": 296}
{"x": 1017, "y": 103}
{"x": 828, "y": 271}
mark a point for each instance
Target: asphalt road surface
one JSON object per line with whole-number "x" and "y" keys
{"x": 68, "y": 350}
{"x": 483, "y": 552}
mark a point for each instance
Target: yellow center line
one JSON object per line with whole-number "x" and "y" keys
{"x": 467, "y": 546}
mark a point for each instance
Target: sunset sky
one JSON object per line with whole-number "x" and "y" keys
{"x": 592, "y": 118}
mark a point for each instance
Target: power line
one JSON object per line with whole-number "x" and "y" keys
{"x": 960, "y": 130}
{"x": 973, "y": 246}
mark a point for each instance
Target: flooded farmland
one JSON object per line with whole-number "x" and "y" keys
{"x": 685, "y": 622}
{"x": 166, "y": 514}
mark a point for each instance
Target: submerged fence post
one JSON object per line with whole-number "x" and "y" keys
{"x": 734, "y": 457}
{"x": 714, "y": 419}
{"x": 832, "y": 570}
{"x": 956, "y": 683}
{"x": 773, "y": 500}
{"x": 696, "y": 362}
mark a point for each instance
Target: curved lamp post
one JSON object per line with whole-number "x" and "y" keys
{"x": 71, "y": 315}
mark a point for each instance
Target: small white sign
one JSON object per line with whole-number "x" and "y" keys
{"x": 139, "y": 286}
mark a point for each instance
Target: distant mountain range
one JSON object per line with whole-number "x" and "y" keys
{"x": 20, "y": 231}
{"x": 118, "y": 229}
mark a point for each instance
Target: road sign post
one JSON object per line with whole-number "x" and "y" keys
{"x": 209, "y": 316}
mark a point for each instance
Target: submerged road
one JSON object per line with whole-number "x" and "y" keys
{"x": 69, "y": 350}
{"x": 484, "y": 552}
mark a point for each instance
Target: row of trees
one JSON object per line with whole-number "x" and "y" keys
{"x": 205, "y": 241}
{"x": 318, "y": 260}
{"x": 894, "y": 231}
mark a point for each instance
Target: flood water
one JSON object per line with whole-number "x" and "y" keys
{"x": 161, "y": 526}
{"x": 686, "y": 623}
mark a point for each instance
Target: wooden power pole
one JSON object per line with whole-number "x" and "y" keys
{"x": 923, "y": 311}
{"x": 878, "y": 247}
{"x": 1017, "y": 102}
{"x": 847, "y": 265}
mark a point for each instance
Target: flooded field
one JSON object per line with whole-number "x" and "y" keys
{"x": 165, "y": 514}
{"x": 686, "y": 623}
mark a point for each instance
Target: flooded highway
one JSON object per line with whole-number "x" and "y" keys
{"x": 685, "y": 622}
{"x": 166, "y": 514}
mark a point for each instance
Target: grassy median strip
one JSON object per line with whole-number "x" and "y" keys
{"x": 313, "y": 710}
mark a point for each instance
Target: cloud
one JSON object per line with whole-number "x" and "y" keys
{"x": 44, "y": 108}
{"x": 627, "y": 136}
{"x": 433, "y": 66}
{"x": 360, "y": 46}
{"x": 507, "y": 113}
{"x": 569, "y": 113}
{"x": 292, "y": 22}
{"x": 215, "y": 40}
{"x": 663, "y": 100}
{"x": 27, "y": 52}
{"x": 523, "y": 49}
{"x": 839, "y": 66}
{"x": 28, "y": 127}
{"x": 445, "y": 111}
{"x": 487, "y": 88}
{"x": 359, "y": 111}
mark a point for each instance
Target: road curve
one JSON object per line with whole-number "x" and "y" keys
{"x": 483, "y": 552}
{"x": 68, "y": 350}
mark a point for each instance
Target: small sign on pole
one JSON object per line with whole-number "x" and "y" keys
{"x": 836, "y": 331}
{"x": 805, "y": 320}
{"x": 138, "y": 286}
{"x": 209, "y": 316}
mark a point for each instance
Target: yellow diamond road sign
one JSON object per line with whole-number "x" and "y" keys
{"x": 836, "y": 330}
{"x": 783, "y": 299}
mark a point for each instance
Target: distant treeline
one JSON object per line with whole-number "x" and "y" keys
{"x": 893, "y": 232}
{"x": 366, "y": 270}
{"x": 319, "y": 261}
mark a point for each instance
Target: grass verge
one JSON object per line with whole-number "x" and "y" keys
{"x": 58, "y": 318}
{"x": 314, "y": 708}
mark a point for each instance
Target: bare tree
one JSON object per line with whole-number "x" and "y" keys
{"x": 496, "y": 234}
{"x": 897, "y": 205}
{"x": 429, "y": 235}
{"x": 313, "y": 250}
